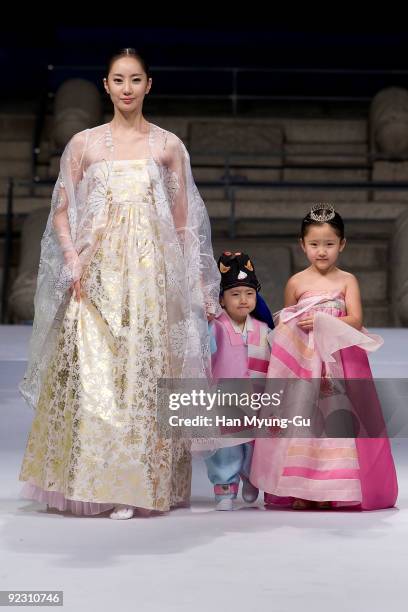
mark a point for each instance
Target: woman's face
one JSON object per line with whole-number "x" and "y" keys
{"x": 127, "y": 84}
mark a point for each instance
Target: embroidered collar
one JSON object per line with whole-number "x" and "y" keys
{"x": 235, "y": 332}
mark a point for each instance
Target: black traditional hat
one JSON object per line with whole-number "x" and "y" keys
{"x": 237, "y": 270}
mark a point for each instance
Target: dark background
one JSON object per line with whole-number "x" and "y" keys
{"x": 27, "y": 49}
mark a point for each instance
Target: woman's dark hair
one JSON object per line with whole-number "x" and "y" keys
{"x": 128, "y": 52}
{"x": 321, "y": 214}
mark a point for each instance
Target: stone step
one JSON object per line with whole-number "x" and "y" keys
{"x": 361, "y": 255}
{"x": 345, "y": 131}
{"x": 374, "y": 211}
{"x": 15, "y": 169}
{"x": 24, "y": 204}
{"x": 322, "y": 175}
{"x": 21, "y": 150}
{"x": 19, "y": 190}
{"x": 377, "y": 316}
{"x": 12, "y": 276}
{"x": 26, "y": 188}
{"x": 44, "y": 191}
{"x": 15, "y": 126}
{"x": 227, "y": 136}
{"x": 281, "y": 228}
{"x": 351, "y": 131}
{"x": 15, "y": 150}
{"x": 288, "y": 195}
{"x": 277, "y": 168}
{"x": 373, "y": 284}
{"x": 332, "y": 154}
{"x": 298, "y": 131}
{"x": 15, "y": 252}
{"x": 241, "y": 173}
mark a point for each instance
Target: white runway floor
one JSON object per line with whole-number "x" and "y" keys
{"x": 197, "y": 559}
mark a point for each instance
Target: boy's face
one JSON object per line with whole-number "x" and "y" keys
{"x": 239, "y": 302}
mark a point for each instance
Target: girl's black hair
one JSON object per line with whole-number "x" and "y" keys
{"x": 336, "y": 221}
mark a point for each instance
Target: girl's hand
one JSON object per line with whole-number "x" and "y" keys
{"x": 306, "y": 324}
{"x": 210, "y": 316}
{"x": 76, "y": 288}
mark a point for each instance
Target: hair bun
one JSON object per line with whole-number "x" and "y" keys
{"x": 128, "y": 51}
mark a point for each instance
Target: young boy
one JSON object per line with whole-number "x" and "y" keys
{"x": 239, "y": 349}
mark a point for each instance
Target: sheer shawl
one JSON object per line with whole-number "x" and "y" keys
{"x": 78, "y": 215}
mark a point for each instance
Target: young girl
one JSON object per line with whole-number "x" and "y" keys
{"x": 240, "y": 349}
{"x": 319, "y": 334}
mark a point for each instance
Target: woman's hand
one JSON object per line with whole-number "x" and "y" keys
{"x": 76, "y": 288}
{"x": 306, "y": 324}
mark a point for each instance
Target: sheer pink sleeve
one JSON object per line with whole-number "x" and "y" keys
{"x": 70, "y": 175}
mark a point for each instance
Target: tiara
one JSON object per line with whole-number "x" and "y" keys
{"x": 326, "y": 211}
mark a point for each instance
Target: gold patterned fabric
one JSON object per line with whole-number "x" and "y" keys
{"x": 94, "y": 437}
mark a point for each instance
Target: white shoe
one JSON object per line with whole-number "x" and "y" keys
{"x": 225, "y": 504}
{"x": 121, "y": 513}
{"x": 249, "y": 491}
